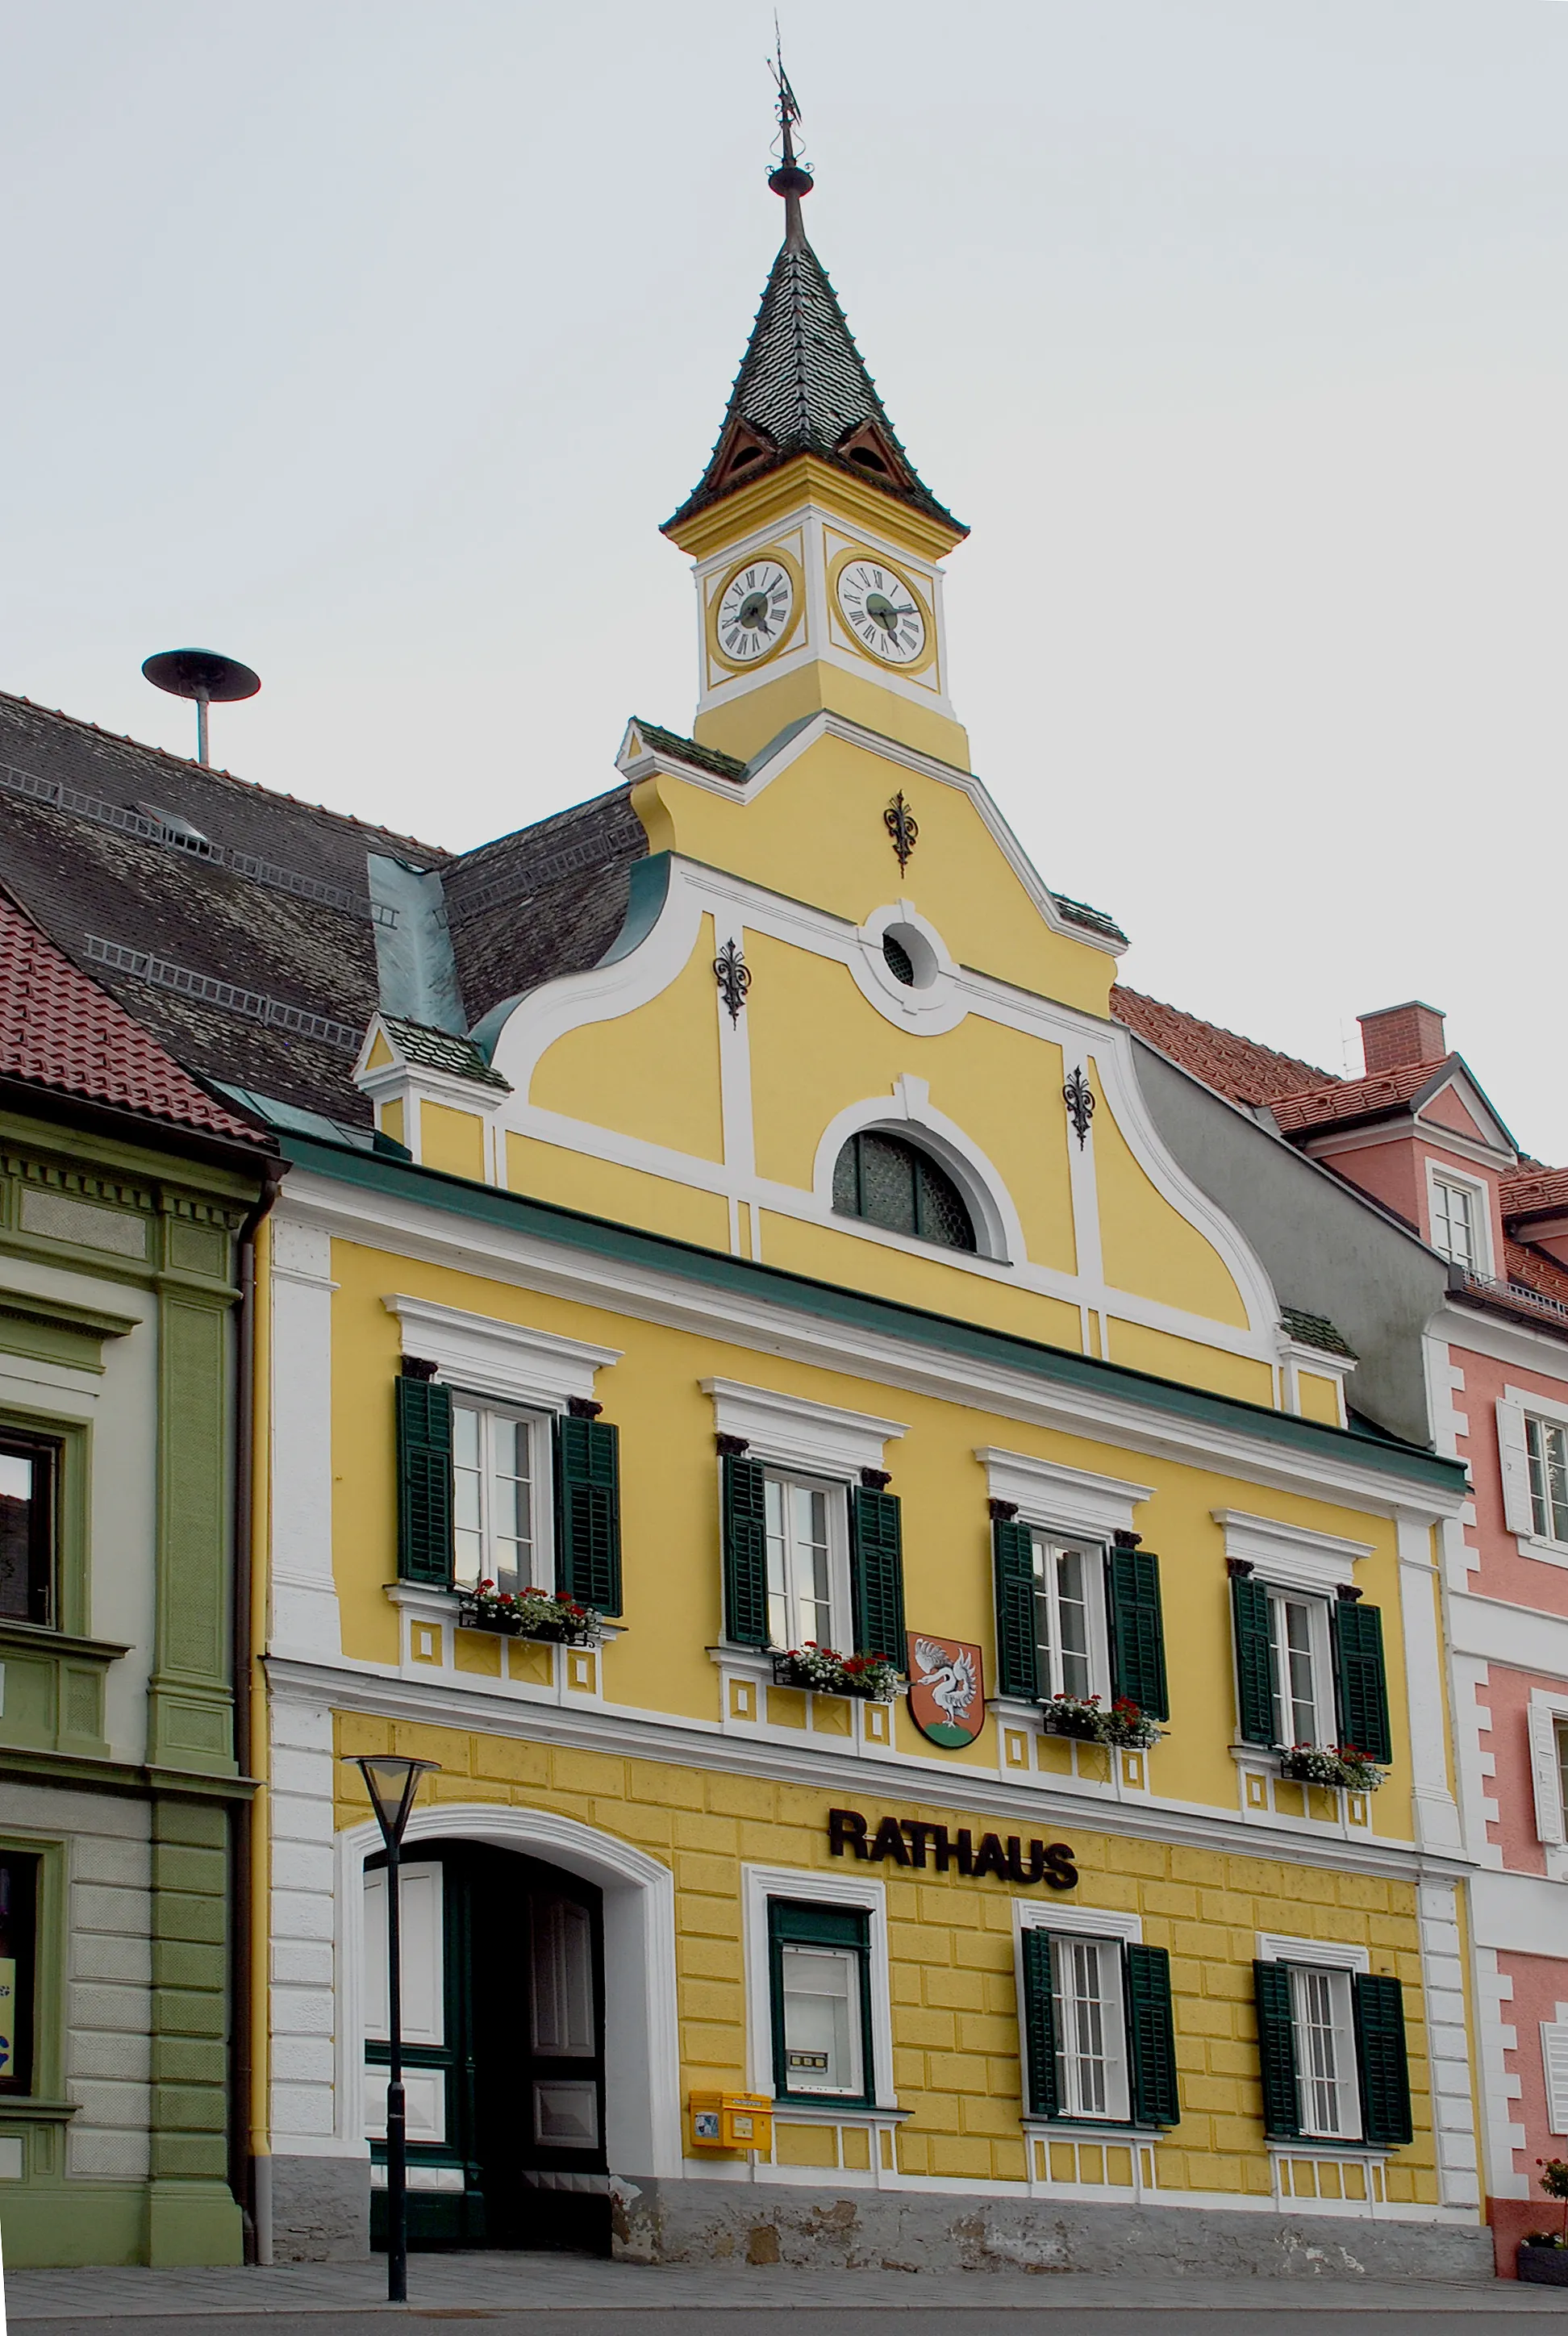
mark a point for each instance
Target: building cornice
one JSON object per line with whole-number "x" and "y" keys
{"x": 655, "y": 1277}
{"x": 626, "y": 1733}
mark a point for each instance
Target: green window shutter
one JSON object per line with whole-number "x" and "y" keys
{"x": 423, "y": 1483}
{"x": 1152, "y": 2037}
{"x": 1039, "y": 2026}
{"x": 1360, "y": 1678}
{"x": 1018, "y": 1646}
{"x": 1380, "y": 2057}
{"x": 587, "y": 1511}
{"x": 1137, "y": 1629}
{"x": 1254, "y": 1666}
{"x": 1277, "y": 2051}
{"x": 744, "y": 1498}
{"x": 877, "y": 1573}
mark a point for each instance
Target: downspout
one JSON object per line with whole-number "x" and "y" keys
{"x": 250, "y": 2171}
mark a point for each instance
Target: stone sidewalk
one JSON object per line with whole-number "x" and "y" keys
{"x": 481, "y": 2284}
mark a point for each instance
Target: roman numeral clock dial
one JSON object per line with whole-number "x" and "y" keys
{"x": 882, "y": 611}
{"x": 755, "y": 610}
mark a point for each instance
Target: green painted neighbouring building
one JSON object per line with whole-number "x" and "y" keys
{"x": 127, "y": 1196}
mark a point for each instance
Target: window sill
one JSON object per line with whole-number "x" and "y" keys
{"x": 43, "y": 1638}
{"x": 1543, "y": 1552}
{"x": 437, "y": 1604}
{"x": 819, "y": 2112}
{"x": 1364, "y": 2152}
{"x": 1092, "y": 2129}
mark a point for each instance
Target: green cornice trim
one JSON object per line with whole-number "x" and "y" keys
{"x": 645, "y": 900}
{"x": 36, "y": 1639}
{"x": 52, "y": 1330}
{"x": 122, "y": 1776}
{"x": 771, "y": 1284}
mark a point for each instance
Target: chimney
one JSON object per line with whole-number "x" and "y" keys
{"x": 1395, "y": 1036}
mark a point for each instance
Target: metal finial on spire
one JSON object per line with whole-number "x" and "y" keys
{"x": 791, "y": 179}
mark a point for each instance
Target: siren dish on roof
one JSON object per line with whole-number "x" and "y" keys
{"x": 205, "y": 675}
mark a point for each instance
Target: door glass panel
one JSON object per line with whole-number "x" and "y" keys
{"x": 563, "y": 2007}
{"x": 822, "y": 2027}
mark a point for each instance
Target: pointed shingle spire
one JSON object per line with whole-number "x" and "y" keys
{"x": 803, "y": 387}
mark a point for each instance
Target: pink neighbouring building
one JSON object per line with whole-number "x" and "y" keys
{"x": 1417, "y": 1135}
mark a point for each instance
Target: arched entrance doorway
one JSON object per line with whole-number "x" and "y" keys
{"x": 538, "y": 2023}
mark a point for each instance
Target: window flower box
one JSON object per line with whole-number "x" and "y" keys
{"x": 1339, "y": 1765}
{"x": 872, "y": 1677}
{"x": 528, "y": 1614}
{"x": 1122, "y": 1723}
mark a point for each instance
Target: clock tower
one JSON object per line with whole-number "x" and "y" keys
{"x": 816, "y": 548}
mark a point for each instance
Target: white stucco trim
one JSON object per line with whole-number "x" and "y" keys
{"x": 936, "y": 1003}
{"x": 509, "y": 1360}
{"x": 1076, "y": 1922}
{"x": 1319, "y": 1955}
{"x": 641, "y": 2041}
{"x": 1070, "y": 1500}
{"x": 759, "y": 1883}
{"x": 304, "y": 1619}
{"x": 797, "y": 1433}
{"x": 1288, "y": 1555}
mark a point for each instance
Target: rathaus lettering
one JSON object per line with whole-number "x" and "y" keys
{"x": 915, "y": 1841}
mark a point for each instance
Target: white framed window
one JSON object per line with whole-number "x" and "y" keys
{"x": 1070, "y": 1632}
{"x": 1546, "y": 1454}
{"x": 1300, "y": 1658}
{"x": 809, "y": 2010}
{"x": 1547, "y": 1720}
{"x": 501, "y": 1497}
{"x": 1459, "y": 1214}
{"x": 808, "y": 1561}
{"x": 1090, "y": 2023}
{"x": 1555, "y": 2068}
{"x": 1327, "y": 2088}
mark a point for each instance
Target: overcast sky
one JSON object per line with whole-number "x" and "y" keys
{"x": 370, "y": 340}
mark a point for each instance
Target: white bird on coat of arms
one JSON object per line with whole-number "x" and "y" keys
{"x": 951, "y": 1678}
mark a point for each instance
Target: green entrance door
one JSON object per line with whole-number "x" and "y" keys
{"x": 503, "y": 2051}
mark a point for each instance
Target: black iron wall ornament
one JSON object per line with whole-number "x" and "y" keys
{"x": 734, "y": 977}
{"x": 902, "y": 826}
{"x": 1079, "y": 1098}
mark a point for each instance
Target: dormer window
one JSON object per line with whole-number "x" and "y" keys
{"x": 892, "y": 1182}
{"x": 1457, "y": 1223}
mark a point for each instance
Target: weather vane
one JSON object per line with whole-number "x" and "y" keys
{"x": 792, "y": 177}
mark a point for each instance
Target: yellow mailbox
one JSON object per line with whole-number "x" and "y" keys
{"x": 731, "y": 2121}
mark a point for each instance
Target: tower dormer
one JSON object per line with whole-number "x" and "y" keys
{"x": 816, "y": 546}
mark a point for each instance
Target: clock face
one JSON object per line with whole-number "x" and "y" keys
{"x": 755, "y": 610}
{"x": 881, "y": 611}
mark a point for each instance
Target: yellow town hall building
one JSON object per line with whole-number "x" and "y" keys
{"x": 937, "y": 1701}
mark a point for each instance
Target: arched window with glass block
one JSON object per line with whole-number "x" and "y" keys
{"x": 892, "y": 1182}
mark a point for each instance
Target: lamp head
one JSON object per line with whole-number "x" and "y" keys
{"x": 392, "y": 1780}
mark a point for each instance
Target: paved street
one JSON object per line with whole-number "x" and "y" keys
{"x": 532, "y": 2294}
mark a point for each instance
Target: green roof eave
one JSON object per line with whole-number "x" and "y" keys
{"x": 828, "y": 1302}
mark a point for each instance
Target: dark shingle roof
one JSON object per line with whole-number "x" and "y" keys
{"x": 686, "y": 750}
{"x": 443, "y": 1050}
{"x": 1094, "y": 920}
{"x": 803, "y": 389}
{"x": 1315, "y": 1331}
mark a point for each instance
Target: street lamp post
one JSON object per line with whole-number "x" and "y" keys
{"x": 392, "y": 1781}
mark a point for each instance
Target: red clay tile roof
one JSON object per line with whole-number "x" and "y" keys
{"x": 1239, "y": 1067}
{"x": 1350, "y": 1098}
{"x": 1535, "y": 1191}
{"x": 61, "y": 1031}
{"x": 1535, "y": 1269}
